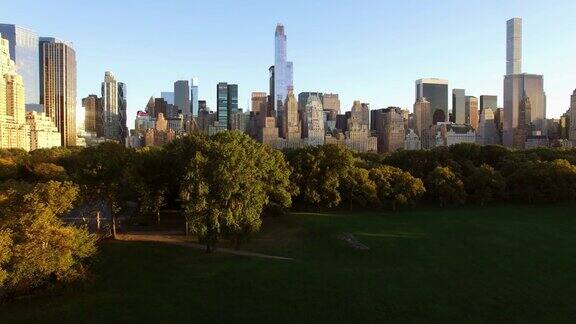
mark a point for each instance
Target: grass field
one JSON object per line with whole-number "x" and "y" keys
{"x": 505, "y": 263}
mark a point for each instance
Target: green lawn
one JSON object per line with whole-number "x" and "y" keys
{"x": 506, "y": 263}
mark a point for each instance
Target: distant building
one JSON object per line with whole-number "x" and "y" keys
{"x": 161, "y": 134}
{"x": 488, "y": 102}
{"x": 313, "y": 122}
{"x": 358, "y": 136}
{"x": 390, "y": 129}
{"x": 572, "y": 118}
{"x": 259, "y": 102}
{"x": 14, "y": 131}
{"x": 448, "y": 134}
{"x": 487, "y": 133}
{"x": 331, "y": 102}
{"x": 167, "y": 96}
{"x": 182, "y": 97}
{"x": 43, "y": 132}
{"x": 114, "y": 108}
{"x": 58, "y": 86}
{"x": 24, "y": 51}
{"x": 292, "y": 131}
{"x": 412, "y": 141}
{"x": 303, "y": 99}
{"x": 472, "y": 117}
{"x": 423, "y": 121}
{"x": 436, "y": 92}
{"x": 458, "y": 106}
{"x": 93, "y": 115}
{"x": 194, "y": 105}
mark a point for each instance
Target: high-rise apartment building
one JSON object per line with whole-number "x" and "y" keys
{"x": 304, "y": 96}
{"x": 168, "y": 96}
{"x": 182, "y": 96}
{"x": 488, "y": 102}
{"x": 259, "y": 102}
{"x": 43, "y": 132}
{"x": 487, "y": 134}
{"x": 194, "y": 96}
{"x": 14, "y": 132}
{"x": 472, "y": 116}
{"x": 514, "y": 46}
{"x": 572, "y": 118}
{"x": 110, "y": 107}
{"x": 458, "y": 106}
{"x": 390, "y": 129}
{"x": 331, "y": 102}
{"x": 93, "y": 115}
{"x": 518, "y": 87}
{"x": 283, "y": 71}
{"x": 23, "y": 48}
{"x": 436, "y": 93}
{"x": 357, "y": 135}
{"x": 292, "y": 132}
{"x": 58, "y": 86}
{"x": 313, "y": 122}
{"x": 423, "y": 121}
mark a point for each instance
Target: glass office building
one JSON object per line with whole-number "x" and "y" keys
{"x": 194, "y": 97}
{"x": 24, "y": 51}
{"x": 436, "y": 92}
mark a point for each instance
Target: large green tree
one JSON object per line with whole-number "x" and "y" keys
{"x": 228, "y": 183}
{"x": 395, "y": 187}
{"x": 446, "y": 187}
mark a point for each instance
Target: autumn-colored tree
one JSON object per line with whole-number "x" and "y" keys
{"x": 36, "y": 247}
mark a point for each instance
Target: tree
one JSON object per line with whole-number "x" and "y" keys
{"x": 102, "y": 172}
{"x": 148, "y": 177}
{"x": 396, "y": 187}
{"x": 319, "y": 172}
{"x": 485, "y": 185}
{"x": 229, "y": 181}
{"x": 36, "y": 247}
{"x": 446, "y": 187}
{"x": 357, "y": 187}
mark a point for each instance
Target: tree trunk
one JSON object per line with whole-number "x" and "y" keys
{"x": 98, "y": 220}
{"x": 113, "y": 226}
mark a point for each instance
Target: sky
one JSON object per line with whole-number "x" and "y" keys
{"x": 368, "y": 50}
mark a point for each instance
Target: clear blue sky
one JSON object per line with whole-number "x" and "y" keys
{"x": 367, "y": 50}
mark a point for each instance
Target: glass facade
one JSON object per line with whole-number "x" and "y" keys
{"x": 222, "y": 103}
{"x": 24, "y": 51}
{"x": 458, "y": 106}
{"x": 488, "y": 102}
{"x": 232, "y": 105}
{"x": 194, "y": 97}
{"x": 182, "y": 96}
{"x": 436, "y": 92}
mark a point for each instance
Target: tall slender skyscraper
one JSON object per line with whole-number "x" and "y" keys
{"x": 458, "y": 106}
{"x": 122, "y": 112}
{"x": 194, "y": 96}
{"x": 23, "y": 46}
{"x": 518, "y": 87}
{"x": 58, "y": 86}
{"x": 222, "y": 103}
{"x": 110, "y": 106}
{"x": 182, "y": 96}
{"x": 514, "y": 46}
{"x": 233, "y": 121}
{"x": 283, "y": 72}
{"x": 472, "y": 117}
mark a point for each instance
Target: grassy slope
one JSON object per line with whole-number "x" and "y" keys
{"x": 502, "y": 263}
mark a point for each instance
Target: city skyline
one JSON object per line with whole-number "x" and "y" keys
{"x": 325, "y": 67}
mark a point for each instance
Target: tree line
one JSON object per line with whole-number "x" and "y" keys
{"x": 225, "y": 184}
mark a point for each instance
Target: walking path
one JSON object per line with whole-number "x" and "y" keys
{"x": 181, "y": 241}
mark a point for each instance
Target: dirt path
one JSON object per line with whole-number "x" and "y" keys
{"x": 181, "y": 241}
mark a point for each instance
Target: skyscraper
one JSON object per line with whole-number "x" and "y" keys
{"x": 23, "y": 47}
{"x": 110, "y": 107}
{"x": 14, "y": 132}
{"x": 283, "y": 71}
{"x": 572, "y": 117}
{"x": 194, "y": 96}
{"x": 122, "y": 112}
{"x": 259, "y": 101}
{"x": 58, "y": 86}
{"x": 487, "y": 133}
{"x": 331, "y": 102}
{"x": 390, "y": 129}
{"x": 168, "y": 96}
{"x": 182, "y": 96}
{"x": 488, "y": 102}
{"x": 303, "y": 99}
{"x": 291, "y": 116}
{"x": 313, "y": 122}
{"x": 514, "y": 46}
{"x": 436, "y": 93}
{"x": 520, "y": 86}
{"x": 93, "y": 115}
{"x": 232, "y": 107}
{"x": 458, "y": 106}
{"x": 472, "y": 117}
{"x": 422, "y": 121}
